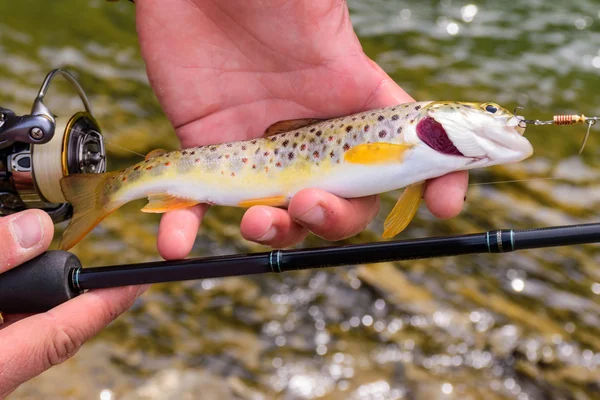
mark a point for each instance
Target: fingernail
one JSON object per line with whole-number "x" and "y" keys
{"x": 314, "y": 216}
{"x": 27, "y": 229}
{"x": 269, "y": 235}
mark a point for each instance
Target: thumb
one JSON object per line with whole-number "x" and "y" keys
{"x": 24, "y": 236}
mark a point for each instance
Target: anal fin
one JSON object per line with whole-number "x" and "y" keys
{"x": 404, "y": 210}
{"x": 274, "y": 201}
{"x": 163, "y": 202}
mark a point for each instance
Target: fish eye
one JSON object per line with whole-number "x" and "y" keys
{"x": 491, "y": 108}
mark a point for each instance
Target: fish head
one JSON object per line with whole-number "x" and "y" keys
{"x": 485, "y": 132}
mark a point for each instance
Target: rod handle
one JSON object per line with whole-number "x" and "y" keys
{"x": 39, "y": 284}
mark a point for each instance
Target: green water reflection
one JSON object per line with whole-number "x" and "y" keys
{"x": 523, "y": 325}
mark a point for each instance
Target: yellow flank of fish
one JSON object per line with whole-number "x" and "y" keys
{"x": 361, "y": 154}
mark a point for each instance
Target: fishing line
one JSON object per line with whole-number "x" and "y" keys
{"x": 513, "y": 180}
{"x": 112, "y": 144}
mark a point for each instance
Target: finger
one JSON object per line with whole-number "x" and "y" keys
{"x": 446, "y": 195}
{"x": 44, "y": 340}
{"x": 24, "y": 236}
{"x": 178, "y": 230}
{"x": 271, "y": 226}
{"x": 332, "y": 217}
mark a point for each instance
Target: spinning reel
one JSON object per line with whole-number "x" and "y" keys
{"x": 38, "y": 149}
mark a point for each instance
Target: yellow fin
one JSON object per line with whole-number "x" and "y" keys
{"x": 377, "y": 153}
{"x": 86, "y": 193}
{"x": 155, "y": 153}
{"x": 163, "y": 202}
{"x": 289, "y": 125}
{"x": 274, "y": 201}
{"x": 404, "y": 210}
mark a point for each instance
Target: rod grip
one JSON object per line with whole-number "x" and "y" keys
{"x": 39, "y": 284}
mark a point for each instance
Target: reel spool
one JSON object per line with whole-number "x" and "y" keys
{"x": 30, "y": 177}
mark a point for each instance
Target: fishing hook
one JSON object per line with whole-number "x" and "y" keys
{"x": 563, "y": 119}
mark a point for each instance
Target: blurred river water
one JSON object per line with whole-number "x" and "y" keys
{"x": 522, "y": 325}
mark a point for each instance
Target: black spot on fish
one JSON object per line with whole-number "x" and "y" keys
{"x": 319, "y": 133}
{"x": 367, "y": 128}
{"x": 213, "y": 149}
{"x": 312, "y": 130}
{"x": 382, "y": 134}
{"x": 291, "y": 155}
{"x": 399, "y": 130}
{"x": 285, "y": 143}
{"x": 380, "y": 118}
{"x": 348, "y": 128}
{"x": 395, "y": 117}
{"x": 417, "y": 107}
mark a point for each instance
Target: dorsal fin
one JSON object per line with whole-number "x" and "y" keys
{"x": 155, "y": 153}
{"x": 289, "y": 125}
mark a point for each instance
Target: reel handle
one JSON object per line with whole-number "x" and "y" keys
{"x": 39, "y": 284}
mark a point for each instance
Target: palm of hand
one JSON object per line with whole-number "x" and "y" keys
{"x": 224, "y": 71}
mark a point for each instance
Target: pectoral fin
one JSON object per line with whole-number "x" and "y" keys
{"x": 377, "y": 153}
{"x": 162, "y": 202}
{"x": 289, "y": 125}
{"x": 404, "y": 210}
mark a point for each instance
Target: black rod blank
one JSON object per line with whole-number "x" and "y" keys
{"x": 499, "y": 241}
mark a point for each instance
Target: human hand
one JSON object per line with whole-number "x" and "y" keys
{"x": 33, "y": 343}
{"x": 225, "y": 71}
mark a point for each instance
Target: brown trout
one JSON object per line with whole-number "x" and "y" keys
{"x": 363, "y": 154}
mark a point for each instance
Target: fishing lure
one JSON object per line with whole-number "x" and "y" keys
{"x": 567, "y": 119}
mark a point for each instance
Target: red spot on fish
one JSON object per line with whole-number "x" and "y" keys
{"x": 136, "y": 168}
{"x": 266, "y": 169}
{"x": 303, "y": 147}
{"x": 253, "y": 166}
{"x": 331, "y": 138}
{"x": 149, "y": 168}
{"x": 266, "y": 153}
{"x": 197, "y": 160}
{"x": 433, "y": 134}
{"x": 227, "y": 156}
{"x": 167, "y": 164}
{"x": 233, "y": 174}
{"x": 123, "y": 179}
{"x": 366, "y": 128}
{"x": 316, "y": 154}
{"x": 244, "y": 160}
{"x": 278, "y": 164}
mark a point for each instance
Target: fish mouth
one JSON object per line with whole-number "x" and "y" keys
{"x": 510, "y": 138}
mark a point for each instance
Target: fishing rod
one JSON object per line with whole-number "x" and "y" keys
{"x": 37, "y": 150}
{"x": 57, "y": 276}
